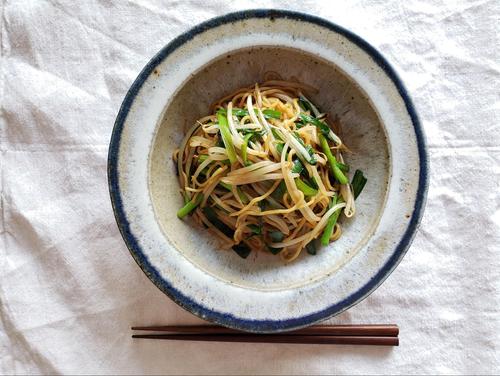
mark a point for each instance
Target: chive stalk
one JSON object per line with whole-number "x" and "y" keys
{"x": 240, "y": 112}
{"x": 343, "y": 167}
{"x": 189, "y": 206}
{"x": 305, "y": 188}
{"x": 226, "y": 136}
{"x": 339, "y": 175}
{"x": 244, "y": 147}
{"x": 330, "y": 224}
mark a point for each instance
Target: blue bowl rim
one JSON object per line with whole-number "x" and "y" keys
{"x": 228, "y": 319}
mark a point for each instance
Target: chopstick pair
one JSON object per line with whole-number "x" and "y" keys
{"x": 379, "y": 335}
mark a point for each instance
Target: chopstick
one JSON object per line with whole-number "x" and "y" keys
{"x": 381, "y": 335}
{"x": 277, "y": 338}
{"x": 390, "y": 330}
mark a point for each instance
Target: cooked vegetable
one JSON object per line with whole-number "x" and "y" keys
{"x": 306, "y": 189}
{"x": 358, "y": 183}
{"x": 226, "y": 137}
{"x": 189, "y": 206}
{"x": 339, "y": 175}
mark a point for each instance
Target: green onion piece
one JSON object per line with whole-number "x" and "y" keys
{"x": 299, "y": 124}
{"x": 186, "y": 197}
{"x": 306, "y": 189}
{"x": 339, "y": 175}
{"x": 325, "y": 129}
{"x": 242, "y": 250}
{"x": 358, "y": 183}
{"x": 312, "y": 182}
{"x": 226, "y": 137}
{"x": 190, "y": 206}
{"x": 343, "y": 167}
{"x": 229, "y": 187}
{"x": 243, "y": 197}
{"x": 279, "y": 191}
{"x": 272, "y": 114}
{"x": 276, "y": 134}
{"x": 256, "y": 230}
{"x": 240, "y": 112}
{"x": 276, "y": 236}
{"x": 330, "y": 224}
{"x": 279, "y": 147}
{"x": 213, "y": 219}
{"x": 304, "y": 104}
{"x": 245, "y": 146}
{"x": 311, "y": 247}
{"x": 273, "y": 250}
{"x": 307, "y": 105}
{"x": 262, "y": 205}
{"x": 268, "y": 114}
{"x": 297, "y": 167}
{"x": 311, "y": 159}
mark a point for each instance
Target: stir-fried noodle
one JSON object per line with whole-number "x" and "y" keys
{"x": 265, "y": 171}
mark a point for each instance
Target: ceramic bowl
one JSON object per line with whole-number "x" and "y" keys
{"x": 262, "y": 293}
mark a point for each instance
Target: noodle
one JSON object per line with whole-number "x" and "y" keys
{"x": 265, "y": 171}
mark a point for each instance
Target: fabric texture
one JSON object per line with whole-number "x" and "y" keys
{"x": 69, "y": 289}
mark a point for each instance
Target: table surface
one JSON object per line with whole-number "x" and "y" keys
{"x": 69, "y": 290}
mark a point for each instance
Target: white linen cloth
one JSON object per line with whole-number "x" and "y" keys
{"x": 69, "y": 290}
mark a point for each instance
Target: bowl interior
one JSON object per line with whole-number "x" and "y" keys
{"x": 338, "y": 95}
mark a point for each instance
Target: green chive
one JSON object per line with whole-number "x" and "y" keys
{"x": 256, "y": 230}
{"x": 343, "y": 167}
{"x": 242, "y": 250}
{"x": 307, "y": 105}
{"x": 339, "y": 175}
{"x": 272, "y": 114}
{"x": 306, "y": 189}
{"x": 311, "y": 247}
{"x": 218, "y": 224}
{"x": 358, "y": 183}
{"x": 279, "y": 147}
{"x": 276, "y": 236}
{"x": 240, "y": 112}
{"x": 190, "y": 206}
{"x": 279, "y": 191}
{"x": 244, "y": 147}
{"x": 273, "y": 250}
{"x": 226, "y": 136}
{"x": 243, "y": 197}
{"x": 229, "y": 187}
{"x": 330, "y": 224}
{"x": 311, "y": 159}
{"x": 297, "y": 167}
{"x": 325, "y": 129}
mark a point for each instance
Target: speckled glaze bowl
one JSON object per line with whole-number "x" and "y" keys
{"x": 261, "y": 293}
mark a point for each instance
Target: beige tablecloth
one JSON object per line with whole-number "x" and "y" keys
{"x": 69, "y": 290}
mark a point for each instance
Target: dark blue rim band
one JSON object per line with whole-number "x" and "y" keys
{"x": 178, "y": 296}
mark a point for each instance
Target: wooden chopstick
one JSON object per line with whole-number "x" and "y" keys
{"x": 277, "y": 338}
{"x": 390, "y": 330}
{"x": 381, "y": 335}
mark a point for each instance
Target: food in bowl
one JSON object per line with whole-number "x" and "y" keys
{"x": 265, "y": 171}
